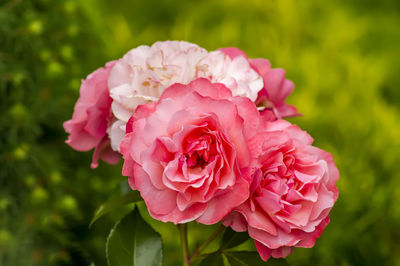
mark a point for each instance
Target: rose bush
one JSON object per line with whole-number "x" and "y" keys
{"x": 291, "y": 193}
{"x": 91, "y": 116}
{"x": 187, "y": 154}
{"x": 202, "y": 140}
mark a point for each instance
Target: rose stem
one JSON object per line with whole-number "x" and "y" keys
{"x": 184, "y": 243}
{"x": 205, "y": 243}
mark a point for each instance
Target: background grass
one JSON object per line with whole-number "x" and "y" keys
{"x": 343, "y": 56}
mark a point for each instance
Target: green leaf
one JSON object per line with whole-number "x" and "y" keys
{"x": 213, "y": 259}
{"x": 232, "y": 239}
{"x": 133, "y": 242}
{"x": 114, "y": 203}
{"x": 249, "y": 258}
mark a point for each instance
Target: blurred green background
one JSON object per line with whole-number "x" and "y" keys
{"x": 343, "y": 55}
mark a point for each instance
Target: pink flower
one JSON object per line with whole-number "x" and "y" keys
{"x": 292, "y": 191}
{"x": 276, "y": 87}
{"x": 88, "y": 125}
{"x": 187, "y": 154}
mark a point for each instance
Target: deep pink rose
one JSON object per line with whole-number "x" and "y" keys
{"x": 187, "y": 154}
{"x": 88, "y": 125}
{"x": 276, "y": 87}
{"x": 292, "y": 191}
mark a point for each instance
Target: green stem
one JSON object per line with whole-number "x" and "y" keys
{"x": 184, "y": 244}
{"x": 206, "y": 243}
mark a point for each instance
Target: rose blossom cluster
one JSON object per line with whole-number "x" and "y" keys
{"x": 203, "y": 139}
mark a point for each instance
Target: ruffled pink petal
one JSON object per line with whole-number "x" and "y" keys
{"x": 257, "y": 219}
{"x": 217, "y": 207}
{"x": 178, "y": 217}
{"x": 88, "y": 125}
{"x": 273, "y": 241}
{"x": 104, "y": 151}
{"x": 153, "y": 196}
{"x": 233, "y": 52}
{"x": 266, "y": 253}
{"x": 262, "y": 66}
{"x": 277, "y": 86}
{"x": 79, "y": 139}
{"x": 308, "y": 239}
{"x": 248, "y": 112}
{"x": 236, "y": 221}
{"x": 214, "y": 90}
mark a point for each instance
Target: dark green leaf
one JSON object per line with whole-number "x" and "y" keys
{"x": 250, "y": 258}
{"x": 133, "y": 242}
{"x": 232, "y": 239}
{"x": 114, "y": 203}
{"x": 213, "y": 259}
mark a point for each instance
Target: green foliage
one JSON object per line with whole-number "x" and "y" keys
{"x": 231, "y": 239}
{"x": 133, "y": 242}
{"x": 343, "y": 56}
{"x": 213, "y": 259}
{"x": 115, "y": 203}
{"x": 48, "y": 192}
{"x": 225, "y": 255}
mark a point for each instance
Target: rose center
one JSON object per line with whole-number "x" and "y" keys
{"x": 196, "y": 160}
{"x": 198, "y": 151}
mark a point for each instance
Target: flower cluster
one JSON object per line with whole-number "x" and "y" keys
{"x": 203, "y": 139}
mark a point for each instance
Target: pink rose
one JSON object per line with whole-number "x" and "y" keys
{"x": 88, "y": 125}
{"x": 276, "y": 87}
{"x": 187, "y": 154}
{"x": 292, "y": 191}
